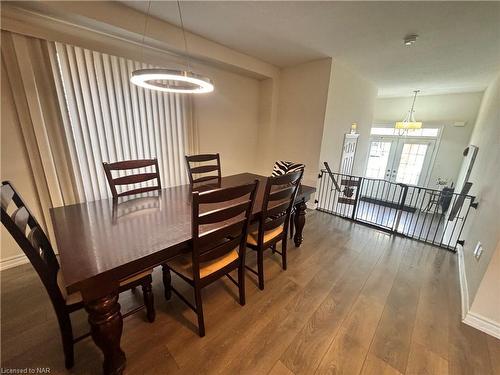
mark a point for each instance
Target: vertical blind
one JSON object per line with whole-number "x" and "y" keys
{"x": 109, "y": 119}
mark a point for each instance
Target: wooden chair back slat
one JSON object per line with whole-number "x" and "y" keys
{"x": 204, "y": 169}
{"x": 289, "y": 178}
{"x": 275, "y": 223}
{"x": 134, "y": 178}
{"x": 200, "y": 170}
{"x": 32, "y": 240}
{"x": 20, "y": 217}
{"x": 131, "y": 164}
{"x": 210, "y": 237}
{"x": 201, "y": 158}
{"x": 221, "y": 249}
{"x": 224, "y": 195}
{"x": 227, "y": 225}
{"x": 223, "y": 214}
{"x": 277, "y": 209}
{"x": 281, "y": 194}
{"x": 35, "y": 238}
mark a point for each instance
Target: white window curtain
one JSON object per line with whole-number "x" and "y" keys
{"x": 109, "y": 119}
{"x": 32, "y": 104}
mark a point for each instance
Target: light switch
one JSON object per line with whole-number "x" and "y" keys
{"x": 478, "y": 250}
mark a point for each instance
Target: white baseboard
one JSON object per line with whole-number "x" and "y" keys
{"x": 13, "y": 261}
{"x": 483, "y": 324}
{"x": 464, "y": 290}
{"x": 469, "y": 317}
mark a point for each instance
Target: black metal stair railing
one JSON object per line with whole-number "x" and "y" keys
{"x": 433, "y": 216}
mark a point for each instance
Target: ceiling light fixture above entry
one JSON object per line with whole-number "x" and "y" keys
{"x": 171, "y": 80}
{"x": 410, "y": 39}
{"x": 409, "y": 121}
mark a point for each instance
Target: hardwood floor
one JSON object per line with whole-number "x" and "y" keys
{"x": 353, "y": 301}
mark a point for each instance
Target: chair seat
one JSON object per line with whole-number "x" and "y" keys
{"x": 183, "y": 264}
{"x": 76, "y": 297}
{"x": 253, "y": 237}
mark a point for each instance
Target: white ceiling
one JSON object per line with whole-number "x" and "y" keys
{"x": 458, "y": 49}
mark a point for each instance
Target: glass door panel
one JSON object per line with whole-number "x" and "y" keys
{"x": 378, "y": 159}
{"x": 412, "y": 162}
{"x": 378, "y": 167}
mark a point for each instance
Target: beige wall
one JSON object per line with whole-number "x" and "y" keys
{"x": 15, "y": 165}
{"x": 227, "y": 121}
{"x": 487, "y": 300}
{"x": 268, "y": 122}
{"x": 438, "y": 110}
{"x": 483, "y": 224}
{"x": 303, "y": 93}
{"x": 351, "y": 98}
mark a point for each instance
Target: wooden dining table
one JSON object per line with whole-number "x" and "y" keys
{"x": 105, "y": 241}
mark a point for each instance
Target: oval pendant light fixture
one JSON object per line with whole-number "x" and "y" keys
{"x": 172, "y": 80}
{"x": 168, "y": 80}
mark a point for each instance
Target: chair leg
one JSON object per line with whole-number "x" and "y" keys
{"x": 260, "y": 268}
{"x": 241, "y": 284}
{"x": 167, "y": 281}
{"x": 69, "y": 355}
{"x": 147, "y": 292}
{"x": 291, "y": 223}
{"x": 283, "y": 252}
{"x": 199, "y": 311}
{"x": 273, "y": 248}
{"x": 67, "y": 339}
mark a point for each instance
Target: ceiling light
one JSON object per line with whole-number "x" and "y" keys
{"x": 409, "y": 121}
{"x": 171, "y": 80}
{"x": 410, "y": 39}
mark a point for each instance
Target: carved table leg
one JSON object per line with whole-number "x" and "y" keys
{"x": 300, "y": 220}
{"x": 106, "y": 328}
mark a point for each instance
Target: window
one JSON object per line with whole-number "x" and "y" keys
{"x": 424, "y": 132}
{"x": 109, "y": 119}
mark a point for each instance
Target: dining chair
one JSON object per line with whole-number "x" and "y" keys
{"x": 280, "y": 168}
{"x": 132, "y": 178}
{"x": 279, "y": 196}
{"x": 29, "y": 235}
{"x": 220, "y": 220}
{"x": 194, "y": 169}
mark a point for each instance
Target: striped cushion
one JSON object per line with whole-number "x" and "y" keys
{"x": 283, "y": 167}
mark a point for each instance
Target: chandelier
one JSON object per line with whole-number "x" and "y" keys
{"x": 409, "y": 121}
{"x": 171, "y": 80}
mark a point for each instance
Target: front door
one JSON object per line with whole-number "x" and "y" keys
{"x": 400, "y": 160}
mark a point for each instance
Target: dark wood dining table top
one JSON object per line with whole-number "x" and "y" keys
{"x": 108, "y": 240}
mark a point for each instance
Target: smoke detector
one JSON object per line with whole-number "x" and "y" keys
{"x": 410, "y": 39}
